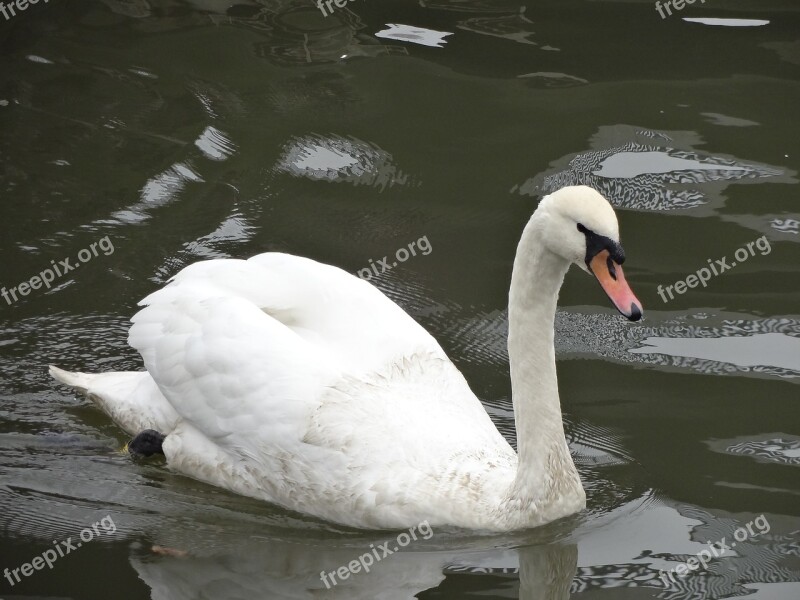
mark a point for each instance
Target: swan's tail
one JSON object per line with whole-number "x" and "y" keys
{"x": 79, "y": 381}
{"x": 131, "y": 398}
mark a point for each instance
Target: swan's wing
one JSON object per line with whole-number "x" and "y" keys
{"x": 322, "y": 305}
{"x": 302, "y": 384}
{"x": 245, "y": 350}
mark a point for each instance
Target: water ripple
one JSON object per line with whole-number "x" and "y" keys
{"x": 339, "y": 159}
{"x": 650, "y": 171}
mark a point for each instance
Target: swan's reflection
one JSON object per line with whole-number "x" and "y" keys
{"x": 289, "y": 565}
{"x": 291, "y": 568}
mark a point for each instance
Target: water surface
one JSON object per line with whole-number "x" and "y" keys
{"x": 189, "y": 130}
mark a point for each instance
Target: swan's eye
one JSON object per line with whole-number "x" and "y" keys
{"x": 595, "y": 243}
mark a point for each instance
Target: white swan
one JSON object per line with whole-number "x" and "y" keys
{"x": 295, "y": 382}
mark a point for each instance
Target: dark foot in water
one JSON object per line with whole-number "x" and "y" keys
{"x": 147, "y": 443}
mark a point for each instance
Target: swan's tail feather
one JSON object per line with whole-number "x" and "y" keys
{"x": 79, "y": 381}
{"x": 130, "y": 398}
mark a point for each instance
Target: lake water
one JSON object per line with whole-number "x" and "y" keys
{"x": 166, "y": 132}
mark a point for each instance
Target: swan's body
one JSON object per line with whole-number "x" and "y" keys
{"x": 292, "y": 381}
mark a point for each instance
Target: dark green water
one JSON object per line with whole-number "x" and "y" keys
{"x": 191, "y": 130}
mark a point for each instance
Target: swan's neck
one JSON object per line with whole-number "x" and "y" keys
{"x": 545, "y": 468}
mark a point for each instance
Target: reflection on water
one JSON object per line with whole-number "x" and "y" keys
{"x": 290, "y": 568}
{"x": 760, "y": 557}
{"x": 786, "y": 225}
{"x": 319, "y": 93}
{"x": 788, "y": 51}
{"x": 767, "y": 223}
{"x": 767, "y": 448}
{"x": 275, "y": 569}
{"x": 728, "y": 121}
{"x": 552, "y": 80}
{"x": 295, "y": 31}
{"x": 776, "y": 350}
{"x": 685, "y": 531}
{"x": 473, "y": 6}
{"x": 160, "y": 189}
{"x": 648, "y": 170}
{"x": 713, "y": 344}
{"x": 727, "y": 22}
{"x": 515, "y": 27}
{"x": 215, "y": 144}
{"x": 416, "y": 35}
{"x": 190, "y": 129}
{"x": 338, "y": 159}
{"x": 627, "y": 165}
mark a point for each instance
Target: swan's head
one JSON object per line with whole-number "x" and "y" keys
{"x": 581, "y": 226}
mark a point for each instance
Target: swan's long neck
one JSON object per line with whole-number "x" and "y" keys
{"x": 545, "y": 465}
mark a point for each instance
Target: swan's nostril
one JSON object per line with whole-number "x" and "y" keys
{"x": 612, "y": 270}
{"x": 636, "y": 312}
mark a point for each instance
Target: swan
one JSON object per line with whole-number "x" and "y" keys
{"x": 295, "y": 382}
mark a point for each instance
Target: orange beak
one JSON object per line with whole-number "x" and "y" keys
{"x": 609, "y": 275}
